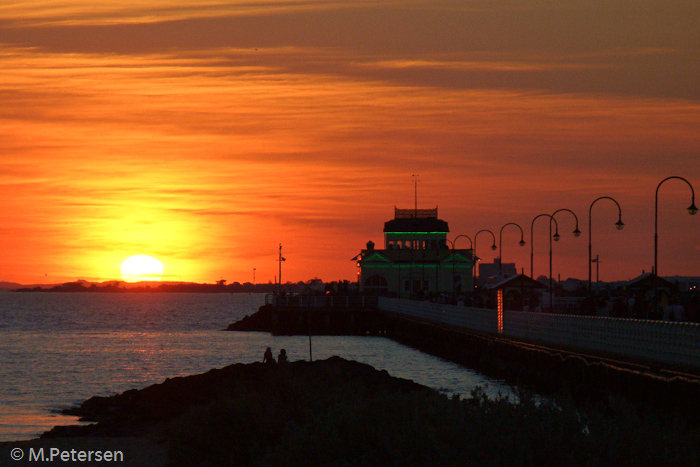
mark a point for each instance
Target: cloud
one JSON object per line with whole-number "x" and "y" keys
{"x": 101, "y": 12}
{"x": 210, "y": 135}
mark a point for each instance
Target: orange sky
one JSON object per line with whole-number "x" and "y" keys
{"x": 205, "y": 133}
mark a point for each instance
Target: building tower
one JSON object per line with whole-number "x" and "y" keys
{"x": 416, "y": 260}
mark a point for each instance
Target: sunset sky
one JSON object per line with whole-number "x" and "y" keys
{"x": 206, "y": 132}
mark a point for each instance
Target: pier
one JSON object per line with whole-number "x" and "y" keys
{"x": 582, "y": 355}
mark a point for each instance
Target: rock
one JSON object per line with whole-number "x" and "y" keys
{"x": 137, "y": 412}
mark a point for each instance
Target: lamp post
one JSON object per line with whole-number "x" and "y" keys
{"x": 692, "y": 210}
{"x": 619, "y": 225}
{"x": 452, "y": 247}
{"x": 532, "y": 245}
{"x": 471, "y": 244}
{"x": 532, "y": 242}
{"x": 493, "y": 246}
{"x": 453, "y": 243}
{"x": 280, "y": 275}
{"x": 500, "y": 244}
{"x": 597, "y": 269}
{"x": 577, "y": 233}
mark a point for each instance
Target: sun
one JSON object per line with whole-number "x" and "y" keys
{"x": 141, "y": 268}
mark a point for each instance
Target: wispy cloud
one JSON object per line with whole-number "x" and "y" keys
{"x": 103, "y": 12}
{"x": 208, "y": 137}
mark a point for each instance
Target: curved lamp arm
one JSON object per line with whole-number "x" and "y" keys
{"x": 493, "y": 245}
{"x": 532, "y": 233}
{"x": 500, "y": 242}
{"x": 692, "y": 210}
{"x": 577, "y": 232}
{"x": 619, "y": 225}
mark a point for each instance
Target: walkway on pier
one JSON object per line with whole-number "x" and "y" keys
{"x": 661, "y": 344}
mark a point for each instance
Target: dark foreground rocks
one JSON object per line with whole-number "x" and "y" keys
{"x": 342, "y": 413}
{"x": 138, "y": 412}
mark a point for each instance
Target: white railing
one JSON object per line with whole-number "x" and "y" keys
{"x": 664, "y": 342}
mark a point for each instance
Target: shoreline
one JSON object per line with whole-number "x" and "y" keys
{"x": 547, "y": 370}
{"x": 338, "y": 411}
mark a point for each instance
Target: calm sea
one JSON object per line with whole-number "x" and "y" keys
{"x": 56, "y": 350}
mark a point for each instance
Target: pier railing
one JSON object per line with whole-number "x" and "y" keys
{"x": 675, "y": 344}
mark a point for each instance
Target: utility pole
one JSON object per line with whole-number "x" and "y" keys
{"x": 415, "y": 188}
{"x": 597, "y": 269}
{"x": 280, "y": 261}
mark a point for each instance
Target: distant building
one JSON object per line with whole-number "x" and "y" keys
{"x": 416, "y": 259}
{"x": 650, "y": 283}
{"x": 492, "y": 273}
{"x": 685, "y": 284}
{"x": 519, "y": 293}
{"x": 576, "y": 285}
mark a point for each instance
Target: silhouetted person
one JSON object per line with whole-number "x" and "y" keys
{"x": 268, "y": 358}
{"x": 282, "y": 357}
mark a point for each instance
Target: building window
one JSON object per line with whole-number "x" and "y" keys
{"x": 376, "y": 283}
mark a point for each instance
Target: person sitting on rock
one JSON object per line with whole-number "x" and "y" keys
{"x": 268, "y": 358}
{"x": 282, "y": 357}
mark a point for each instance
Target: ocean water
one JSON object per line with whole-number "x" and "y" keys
{"x": 59, "y": 349}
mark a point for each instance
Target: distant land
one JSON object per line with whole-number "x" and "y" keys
{"x": 313, "y": 285}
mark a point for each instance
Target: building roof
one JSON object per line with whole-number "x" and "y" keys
{"x": 647, "y": 280}
{"x": 519, "y": 281}
{"x": 445, "y": 256}
{"x": 416, "y": 220}
{"x": 414, "y": 213}
{"x": 430, "y": 224}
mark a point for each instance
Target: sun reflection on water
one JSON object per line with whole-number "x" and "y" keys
{"x": 57, "y": 350}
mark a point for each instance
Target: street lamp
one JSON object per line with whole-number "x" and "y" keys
{"x": 532, "y": 242}
{"x": 471, "y": 244}
{"x": 692, "y": 210}
{"x": 500, "y": 243}
{"x": 493, "y": 247}
{"x": 619, "y": 225}
{"x": 532, "y": 245}
{"x": 453, "y": 243}
{"x": 577, "y": 233}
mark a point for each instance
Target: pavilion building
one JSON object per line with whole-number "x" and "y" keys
{"x": 416, "y": 260}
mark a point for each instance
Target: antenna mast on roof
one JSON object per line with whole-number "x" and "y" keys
{"x": 415, "y": 183}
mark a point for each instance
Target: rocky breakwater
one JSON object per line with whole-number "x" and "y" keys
{"x": 260, "y": 321}
{"x": 323, "y": 320}
{"x": 140, "y": 411}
